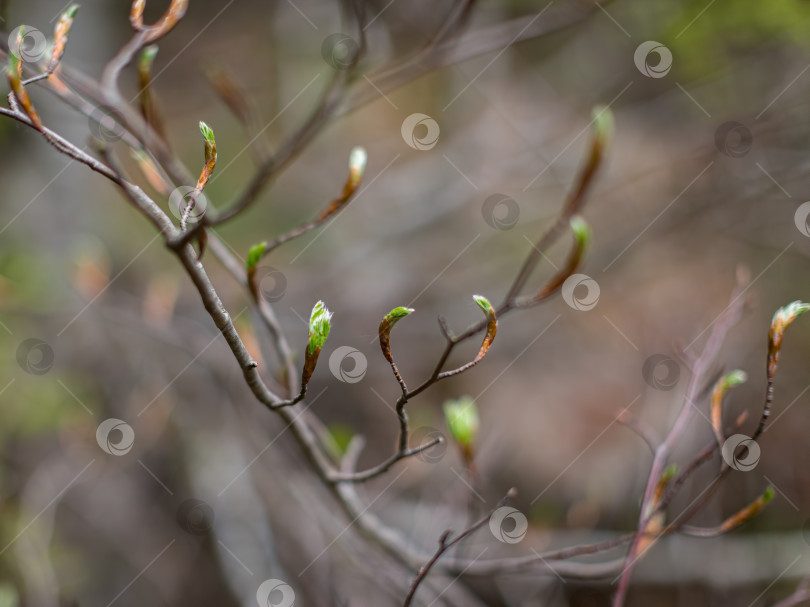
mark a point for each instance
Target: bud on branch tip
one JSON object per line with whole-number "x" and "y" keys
{"x": 384, "y": 333}
{"x": 60, "y": 35}
{"x": 357, "y": 165}
{"x": 602, "y": 124}
{"x": 463, "y": 422}
{"x": 254, "y": 256}
{"x": 210, "y": 156}
{"x": 207, "y": 132}
{"x": 397, "y": 314}
{"x": 748, "y": 512}
{"x": 484, "y": 304}
{"x": 147, "y": 58}
{"x": 728, "y": 381}
{"x": 319, "y": 327}
{"x": 582, "y": 231}
{"x": 14, "y": 76}
{"x": 136, "y": 14}
{"x": 781, "y": 320}
{"x": 787, "y": 314}
{"x": 492, "y": 325}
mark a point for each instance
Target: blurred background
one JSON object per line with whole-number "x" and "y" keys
{"x": 706, "y": 173}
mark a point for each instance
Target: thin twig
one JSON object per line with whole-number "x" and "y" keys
{"x": 445, "y": 543}
{"x": 702, "y": 367}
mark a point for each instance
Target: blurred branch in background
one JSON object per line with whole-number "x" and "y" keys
{"x": 305, "y": 462}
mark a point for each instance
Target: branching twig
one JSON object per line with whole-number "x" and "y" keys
{"x": 144, "y": 135}
{"x": 703, "y": 364}
{"x": 602, "y": 130}
{"x": 445, "y": 543}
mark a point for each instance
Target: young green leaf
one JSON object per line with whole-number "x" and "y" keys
{"x": 254, "y": 256}
{"x": 463, "y": 422}
{"x": 397, "y": 314}
{"x": 146, "y": 60}
{"x": 60, "y": 35}
{"x": 724, "y": 384}
{"x": 210, "y": 156}
{"x": 319, "y": 327}
{"x": 602, "y": 125}
{"x": 782, "y": 319}
{"x": 14, "y": 76}
{"x": 484, "y": 304}
{"x": 492, "y": 325}
{"x": 207, "y": 132}
{"x": 582, "y": 231}
{"x": 358, "y": 158}
{"x": 384, "y": 333}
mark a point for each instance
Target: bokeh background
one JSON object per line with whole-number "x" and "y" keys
{"x": 705, "y": 174}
